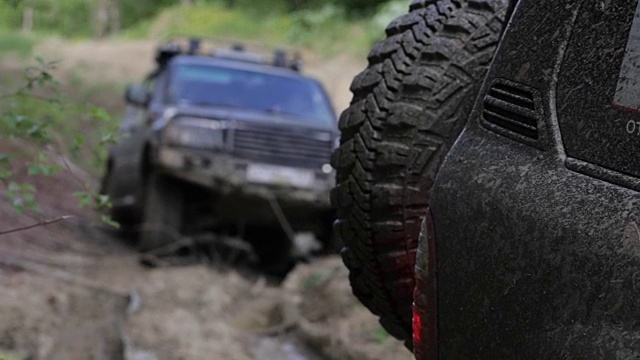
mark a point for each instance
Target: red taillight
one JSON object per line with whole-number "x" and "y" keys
{"x": 417, "y": 327}
{"x": 425, "y": 304}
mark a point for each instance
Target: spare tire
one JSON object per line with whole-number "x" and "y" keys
{"x": 408, "y": 107}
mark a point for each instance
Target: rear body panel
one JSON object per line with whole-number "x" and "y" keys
{"x": 539, "y": 258}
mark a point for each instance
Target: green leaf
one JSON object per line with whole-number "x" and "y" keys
{"x": 13, "y": 187}
{"x": 100, "y": 114}
{"x": 84, "y": 199}
{"x": 22, "y": 196}
{"x": 103, "y": 201}
{"x": 6, "y": 158}
{"x": 107, "y": 220}
{"x": 79, "y": 140}
{"x": 5, "y": 174}
{"x": 28, "y": 187}
{"x": 50, "y": 170}
{"x": 107, "y": 139}
{"x": 34, "y": 169}
{"x": 41, "y": 61}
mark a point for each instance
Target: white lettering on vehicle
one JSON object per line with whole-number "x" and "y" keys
{"x": 633, "y": 127}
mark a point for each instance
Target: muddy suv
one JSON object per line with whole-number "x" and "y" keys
{"x": 497, "y": 214}
{"x": 229, "y": 140}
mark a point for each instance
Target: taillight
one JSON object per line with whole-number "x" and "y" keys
{"x": 425, "y": 299}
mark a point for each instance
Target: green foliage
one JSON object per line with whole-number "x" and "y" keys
{"x": 22, "y": 196}
{"x": 75, "y": 18}
{"x": 360, "y": 7}
{"x": 321, "y": 28}
{"x": 35, "y": 111}
{"x": 386, "y": 12}
{"x": 10, "y": 16}
{"x": 11, "y": 356}
{"x": 42, "y": 166}
{"x": 18, "y": 44}
{"x": 272, "y": 19}
{"x": 214, "y": 20}
{"x": 380, "y": 335}
{"x": 324, "y": 30}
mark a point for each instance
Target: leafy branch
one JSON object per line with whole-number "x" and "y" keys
{"x": 21, "y": 121}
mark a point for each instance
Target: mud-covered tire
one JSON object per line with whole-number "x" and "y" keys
{"x": 163, "y": 212}
{"x": 125, "y": 219}
{"x": 408, "y": 107}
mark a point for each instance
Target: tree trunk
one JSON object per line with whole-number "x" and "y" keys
{"x": 114, "y": 17}
{"x": 27, "y": 20}
{"x": 101, "y": 15}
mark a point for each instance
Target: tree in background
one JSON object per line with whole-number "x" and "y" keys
{"x": 100, "y": 18}
{"x": 97, "y": 18}
{"x": 106, "y": 14}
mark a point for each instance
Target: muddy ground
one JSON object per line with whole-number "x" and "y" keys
{"x": 75, "y": 290}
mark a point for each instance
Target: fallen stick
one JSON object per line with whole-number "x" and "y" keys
{"x": 39, "y": 224}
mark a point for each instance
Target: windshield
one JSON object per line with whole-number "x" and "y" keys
{"x": 220, "y": 86}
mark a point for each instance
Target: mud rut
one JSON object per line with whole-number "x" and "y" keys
{"x": 74, "y": 291}
{"x": 101, "y": 303}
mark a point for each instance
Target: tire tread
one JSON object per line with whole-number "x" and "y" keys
{"x": 408, "y": 107}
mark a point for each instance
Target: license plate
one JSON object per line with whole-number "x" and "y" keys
{"x": 279, "y": 175}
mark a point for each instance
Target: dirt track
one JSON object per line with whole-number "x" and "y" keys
{"x": 88, "y": 297}
{"x": 73, "y": 291}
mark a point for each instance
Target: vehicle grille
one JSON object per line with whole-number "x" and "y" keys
{"x": 512, "y": 107}
{"x": 282, "y": 146}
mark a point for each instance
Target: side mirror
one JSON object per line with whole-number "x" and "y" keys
{"x": 137, "y": 95}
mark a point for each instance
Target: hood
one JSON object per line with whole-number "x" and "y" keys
{"x": 243, "y": 116}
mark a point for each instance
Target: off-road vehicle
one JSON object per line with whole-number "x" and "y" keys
{"x": 224, "y": 139}
{"x": 523, "y": 180}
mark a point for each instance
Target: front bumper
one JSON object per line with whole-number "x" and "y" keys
{"x": 225, "y": 174}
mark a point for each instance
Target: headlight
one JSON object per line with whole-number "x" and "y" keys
{"x": 192, "y": 132}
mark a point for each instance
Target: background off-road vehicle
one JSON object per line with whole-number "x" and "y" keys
{"x": 525, "y": 176}
{"x": 225, "y": 140}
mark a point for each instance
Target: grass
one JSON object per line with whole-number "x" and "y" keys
{"x": 326, "y": 31}
{"x": 12, "y": 43}
{"x": 379, "y": 335}
{"x": 212, "y": 20}
{"x": 10, "y": 356}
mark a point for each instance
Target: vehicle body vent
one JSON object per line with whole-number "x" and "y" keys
{"x": 513, "y": 107}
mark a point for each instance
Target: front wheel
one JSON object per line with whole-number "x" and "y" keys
{"x": 163, "y": 211}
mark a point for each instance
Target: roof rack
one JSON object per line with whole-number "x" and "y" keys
{"x": 226, "y": 49}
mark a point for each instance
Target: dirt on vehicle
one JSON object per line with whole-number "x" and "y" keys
{"x": 74, "y": 290}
